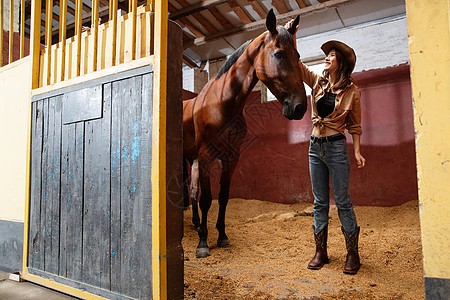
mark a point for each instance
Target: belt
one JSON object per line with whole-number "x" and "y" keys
{"x": 330, "y": 138}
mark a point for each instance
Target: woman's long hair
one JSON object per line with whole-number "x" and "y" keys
{"x": 343, "y": 70}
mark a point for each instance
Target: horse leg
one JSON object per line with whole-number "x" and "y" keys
{"x": 194, "y": 194}
{"x": 205, "y": 205}
{"x": 225, "y": 180}
{"x": 185, "y": 185}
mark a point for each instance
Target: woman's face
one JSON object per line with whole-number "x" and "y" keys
{"x": 331, "y": 63}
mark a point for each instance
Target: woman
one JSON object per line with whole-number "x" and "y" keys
{"x": 335, "y": 102}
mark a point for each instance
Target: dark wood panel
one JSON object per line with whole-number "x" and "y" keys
{"x": 96, "y": 222}
{"x": 91, "y": 193}
{"x": 115, "y": 194}
{"x": 35, "y": 240}
{"x": 72, "y": 183}
{"x": 135, "y": 192}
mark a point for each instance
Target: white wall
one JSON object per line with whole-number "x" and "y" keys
{"x": 15, "y": 96}
{"x": 377, "y": 44}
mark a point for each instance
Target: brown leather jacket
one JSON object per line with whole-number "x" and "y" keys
{"x": 347, "y": 109}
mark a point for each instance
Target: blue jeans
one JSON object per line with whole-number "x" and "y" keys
{"x": 330, "y": 160}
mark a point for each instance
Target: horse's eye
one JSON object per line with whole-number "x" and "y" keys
{"x": 279, "y": 54}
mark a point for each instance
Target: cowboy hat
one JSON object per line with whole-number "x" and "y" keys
{"x": 348, "y": 52}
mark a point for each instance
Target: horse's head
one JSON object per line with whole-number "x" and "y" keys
{"x": 277, "y": 67}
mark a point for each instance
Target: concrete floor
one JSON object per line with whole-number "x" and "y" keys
{"x": 12, "y": 290}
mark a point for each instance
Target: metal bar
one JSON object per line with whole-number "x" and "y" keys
{"x": 22, "y": 28}
{"x": 159, "y": 153}
{"x": 11, "y": 30}
{"x": 1, "y": 33}
{"x": 133, "y": 34}
{"x": 48, "y": 37}
{"x": 95, "y": 28}
{"x": 78, "y": 14}
{"x": 35, "y": 35}
{"x": 114, "y": 34}
{"x": 62, "y": 35}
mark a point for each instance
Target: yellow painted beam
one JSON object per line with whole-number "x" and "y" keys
{"x": 50, "y": 283}
{"x": 159, "y": 153}
{"x": 48, "y": 37}
{"x": 22, "y": 28}
{"x": 62, "y": 35}
{"x": 133, "y": 35}
{"x": 35, "y": 43}
{"x": 11, "y": 30}
{"x": 95, "y": 28}
{"x": 78, "y": 24}
{"x": 114, "y": 35}
{"x": 1, "y": 33}
{"x": 429, "y": 48}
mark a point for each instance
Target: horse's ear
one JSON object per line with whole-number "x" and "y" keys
{"x": 271, "y": 22}
{"x": 293, "y": 28}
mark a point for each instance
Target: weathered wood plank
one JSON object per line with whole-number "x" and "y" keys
{"x": 72, "y": 201}
{"x": 55, "y": 182}
{"x": 45, "y": 203}
{"x": 96, "y": 227}
{"x": 35, "y": 241}
{"x": 115, "y": 191}
{"x": 135, "y": 201}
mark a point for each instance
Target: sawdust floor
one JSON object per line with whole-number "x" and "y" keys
{"x": 271, "y": 245}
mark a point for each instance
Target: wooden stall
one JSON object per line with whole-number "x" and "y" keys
{"x": 105, "y": 158}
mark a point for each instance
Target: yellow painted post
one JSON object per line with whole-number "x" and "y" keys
{"x": 429, "y": 48}
{"x": 11, "y": 30}
{"x": 151, "y": 3}
{"x": 95, "y": 28}
{"x": 62, "y": 35}
{"x": 114, "y": 33}
{"x": 159, "y": 153}
{"x": 48, "y": 37}
{"x": 1, "y": 33}
{"x": 78, "y": 21}
{"x": 133, "y": 35}
{"x": 110, "y": 9}
{"x": 22, "y": 28}
{"x": 35, "y": 43}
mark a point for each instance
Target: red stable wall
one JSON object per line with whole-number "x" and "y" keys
{"x": 274, "y": 158}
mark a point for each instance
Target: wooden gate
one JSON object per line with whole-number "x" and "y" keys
{"x": 105, "y": 163}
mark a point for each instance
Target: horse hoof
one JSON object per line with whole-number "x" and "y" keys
{"x": 202, "y": 252}
{"x": 223, "y": 243}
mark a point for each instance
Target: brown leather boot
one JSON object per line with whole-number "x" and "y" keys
{"x": 321, "y": 257}
{"x": 352, "y": 263}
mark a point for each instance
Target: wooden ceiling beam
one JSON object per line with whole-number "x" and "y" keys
{"x": 280, "y": 6}
{"x": 260, "y": 9}
{"x": 85, "y": 7}
{"x": 300, "y": 3}
{"x": 184, "y": 21}
{"x": 281, "y": 19}
{"x": 240, "y": 12}
{"x": 221, "y": 19}
{"x": 202, "y": 20}
{"x": 195, "y": 8}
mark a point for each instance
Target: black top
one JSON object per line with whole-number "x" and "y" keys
{"x": 325, "y": 105}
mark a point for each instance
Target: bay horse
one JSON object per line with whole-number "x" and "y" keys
{"x": 214, "y": 125}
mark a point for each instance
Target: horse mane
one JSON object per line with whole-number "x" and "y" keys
{"x": 284, "y": 37}
{"x": 233, "y": 58}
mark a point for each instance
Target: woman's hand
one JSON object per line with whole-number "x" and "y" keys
{"x": 360, "y": 160}
{"x": 289, "y": 25}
